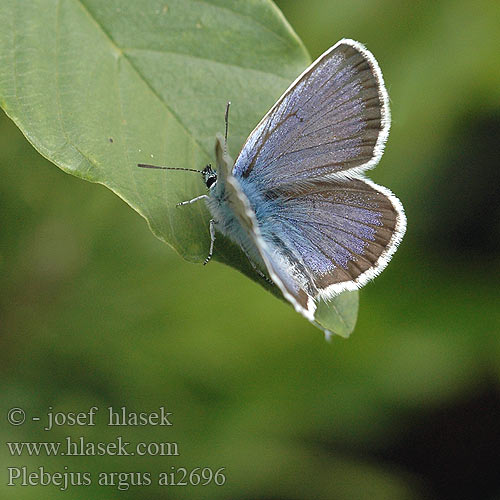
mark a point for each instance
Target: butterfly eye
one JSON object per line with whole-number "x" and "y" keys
{"x": 209, "y": 176}
{"x": 211, "y": 181}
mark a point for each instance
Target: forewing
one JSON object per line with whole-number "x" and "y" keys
{"x": 333, "y": 118}
{"x": 338, "y": 234}
{"x": 224, "y": 161}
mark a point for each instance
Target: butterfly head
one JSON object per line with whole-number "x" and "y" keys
{"x": 209, "y": 176}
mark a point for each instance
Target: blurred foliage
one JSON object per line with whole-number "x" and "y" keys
{"x": 96, "y": 311}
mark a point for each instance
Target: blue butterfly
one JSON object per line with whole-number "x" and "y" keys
{"x": 296, "y": 200}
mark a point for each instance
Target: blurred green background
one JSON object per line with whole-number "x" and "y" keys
{"x": 96, "y": 312}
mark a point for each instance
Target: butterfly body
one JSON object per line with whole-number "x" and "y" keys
{"x": 228, "y": 223}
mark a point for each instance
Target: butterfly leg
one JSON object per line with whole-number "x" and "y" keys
{"x": 212, "y": 240}
{"x": 256, "y": 269}
{"x": 188, "y": 202}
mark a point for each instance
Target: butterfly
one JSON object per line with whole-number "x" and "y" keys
{"x": 296, "y": 200}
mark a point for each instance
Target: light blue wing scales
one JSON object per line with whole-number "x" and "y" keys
{"x": 342, "y": 233}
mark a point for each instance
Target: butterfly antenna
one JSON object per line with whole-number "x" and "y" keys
{"x": 226, "y": 119}
{"x": 145, "y": 165}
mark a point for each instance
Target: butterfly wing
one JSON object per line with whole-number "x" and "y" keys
{"x": 275, "y": 261}
{"x": 334, "y": 118}
{"x": 325, "y": 228}
{"x": 321, "y": 239}
{"x": 224, "y": 161}
{"x": 338, "y": 233}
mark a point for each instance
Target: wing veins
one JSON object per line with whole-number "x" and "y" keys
{"x": 329, "y": 258}
{"x": 294, "y": 137}
{"x": 335, "y": 227}
{"x": 267, "y": 132}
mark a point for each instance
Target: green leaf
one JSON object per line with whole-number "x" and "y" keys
{"x": 340, "y": 314}
{"x": 98, "y": 87}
